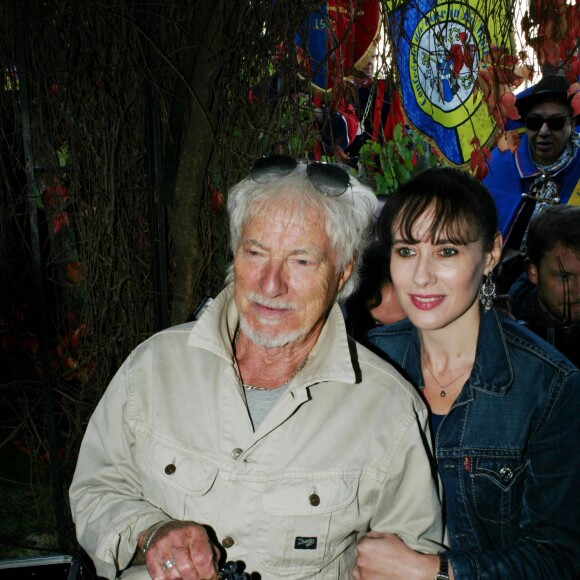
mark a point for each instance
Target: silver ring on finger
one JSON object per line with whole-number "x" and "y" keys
{"x": 167, "y": 564}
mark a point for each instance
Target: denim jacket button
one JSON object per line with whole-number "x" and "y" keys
{"x": 506, "y": 473}
{"x": 170, "y": 469}
{"x": 236, "y": 453}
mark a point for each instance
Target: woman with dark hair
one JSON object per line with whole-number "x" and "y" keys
{"x": 504, "y": 404}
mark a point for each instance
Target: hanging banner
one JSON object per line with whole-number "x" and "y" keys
{"x": 440, "y": 48}
{"x": 337, "y": 38}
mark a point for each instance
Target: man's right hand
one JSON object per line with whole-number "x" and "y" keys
{"x": 185, "y": 543}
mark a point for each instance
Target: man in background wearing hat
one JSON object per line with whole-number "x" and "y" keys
{"x": 544, "y": 170}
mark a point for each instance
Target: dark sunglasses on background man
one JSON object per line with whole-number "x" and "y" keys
{"x": 534, "y": 123}
{"x": 329, "y": 179}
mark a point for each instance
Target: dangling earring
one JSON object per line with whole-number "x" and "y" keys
{"x": 487, "y": 292}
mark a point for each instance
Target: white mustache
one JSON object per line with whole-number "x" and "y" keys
{"x": 274, "y": 303}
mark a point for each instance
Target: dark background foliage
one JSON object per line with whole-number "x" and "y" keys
{"x": 123, "y": 124}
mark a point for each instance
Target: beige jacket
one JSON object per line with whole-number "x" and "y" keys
{"x": 342, "y": 452}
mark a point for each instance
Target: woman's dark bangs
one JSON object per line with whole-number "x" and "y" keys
{"x": 453, "y": 224}
{"x": 410, "y": 212}
{"x": 449, "y": 223}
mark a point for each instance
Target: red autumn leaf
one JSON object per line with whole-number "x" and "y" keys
{"x": 506, "y": 76}
{"x": 573, "y": 88}
{"x": 501, "y": 104}
{"x": 495, "y": 52}
{"x": 574, "y": 72}
{"x": 60, "y": 220}
{"x": 21, "y": 446}
{"x": 555, "y": 28}
{"x": 508, "y": 140}
{"x": 479, "y": 157}
{"x": 217, "y": 200}
{"x": 508, "y": 60}
{"x": 55, "y": 195}
{"x": 508, "y": 106}
{"x": 477, "y": 164}
{"x": 29, "y": 343}
{"x": 74, "y": 272}
{"x": 70, "y": 362}
{"x": 74, "y": 338}
{"x": 523, "y": 72}
{"x": 549, "y": 52}
{"x": 575, "y": 101}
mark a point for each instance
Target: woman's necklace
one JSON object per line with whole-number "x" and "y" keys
{"x": 443, "y": 387}
{"x": 285, "y": 384}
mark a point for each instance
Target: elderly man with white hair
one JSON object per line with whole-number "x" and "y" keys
{"x": 261, "y": 433}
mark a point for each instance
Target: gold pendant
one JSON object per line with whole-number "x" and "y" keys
{"x": 443, "y": 394}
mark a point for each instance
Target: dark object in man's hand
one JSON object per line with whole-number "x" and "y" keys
{"x": 237, "y": 571}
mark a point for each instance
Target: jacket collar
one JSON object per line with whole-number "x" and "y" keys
{"x": 492, "y": 371}
{"x": 329, "y": 360}
{"x": 524, "y": 162}
{"x": 526, "y": 165}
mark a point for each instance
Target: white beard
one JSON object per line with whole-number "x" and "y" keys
{"x": 267, "y": 341}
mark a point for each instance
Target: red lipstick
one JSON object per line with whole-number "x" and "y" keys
{"x": 426, "y": 301}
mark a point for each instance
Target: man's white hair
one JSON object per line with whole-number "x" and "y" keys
{"x": 348, "y": 217}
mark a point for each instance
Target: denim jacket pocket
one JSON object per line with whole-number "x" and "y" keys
{"x": 497, "y": 488}
{"x": 305, "y": 522}
{"x": 172, "y": 479}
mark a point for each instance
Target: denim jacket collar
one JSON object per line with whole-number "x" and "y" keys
{"x": 491, "y": 353}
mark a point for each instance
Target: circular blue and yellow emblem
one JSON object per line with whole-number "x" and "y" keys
{"x": 440, "y": 50}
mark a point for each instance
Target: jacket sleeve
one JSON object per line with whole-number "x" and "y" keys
{"x": 105, "y": 494}
{"x": 504, "y": 184}
{"x": 408, "y": 503}
{"x": 549, "y": 539}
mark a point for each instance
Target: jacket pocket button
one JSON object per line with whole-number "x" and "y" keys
{"x": 170, "y": 469}
{"x": 236, "y": 453}
{"x": 227, "y": 542}
{"x": 506, "y": 473}
{"x": 314, "y": 499}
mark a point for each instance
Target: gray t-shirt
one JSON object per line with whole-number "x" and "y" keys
{"x": 260, "y": 401}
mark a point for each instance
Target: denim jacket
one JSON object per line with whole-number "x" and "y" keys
{"x": 507, "y": 453}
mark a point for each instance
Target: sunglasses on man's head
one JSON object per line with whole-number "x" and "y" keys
{"x": 534, "y": 123}
{"x": 328, "y": 178}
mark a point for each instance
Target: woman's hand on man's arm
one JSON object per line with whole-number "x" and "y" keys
{"x": 386, "y": 557}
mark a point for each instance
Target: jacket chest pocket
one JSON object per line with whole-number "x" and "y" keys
{"x": 497, "y": 487}
{"x": 177, "y": 482}
{"x": 305, "y": 522}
